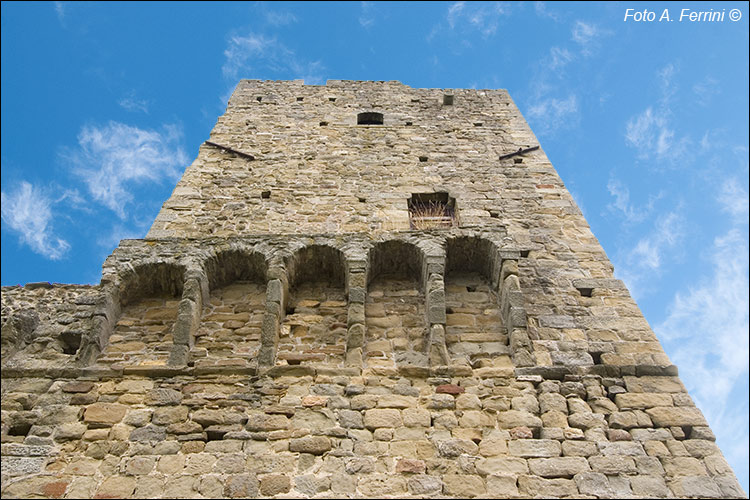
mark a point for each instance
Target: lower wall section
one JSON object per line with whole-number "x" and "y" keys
{"x": 303, "y": 433}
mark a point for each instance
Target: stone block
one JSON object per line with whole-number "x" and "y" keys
{"x": 350, "y": 419}
{"x": 593, "y": 483}
{"x": 275, "y": 484}
{"x": 547, "y": 488}
{"x": 463, "y": 485}
{"x": 169, "y": 415}
{"x": 116, "y": 487}
{"x": 452, "y": 448}
{"x": 664, "y": 416}
{"x": 695, "y": 486}
{"x": 515, "y": 418}
{"x": 424, "y": 485}
{"x": 241, "y": 486}
{"x": 613, "y": 465}
{"x": 382, "y": 418}
{"x": 531, "y": 448}
{"x": 416, "y": 417}
{"x": 502, "y": 465}
{"x": 621, "y": 448}
{"x": 642, "y": 400}
{"x": 315, "y": 445}
{"x": 104, "y": 414}
{"x": 410, "y": 466}
{"x": 558, "y": 466}
{"x": 148, "y": 433}
{"x": 381, "y": 485}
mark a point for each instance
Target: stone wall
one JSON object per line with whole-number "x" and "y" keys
{"x": 284, "y": 331}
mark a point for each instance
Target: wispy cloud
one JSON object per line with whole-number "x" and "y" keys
{"x": 112, "y": 157}
{"x": 27, "y": 211}
{"x": 707, "y": 332}
{"x": 367, "y": 14}
{"x": 668, "y": 231}
{"x": 253, "y": 55}
{"x": 651, "y": 132}
{"x": 622, "y": 204}
{"x": 551, "y": 113}
{"x": 639, "y": 265}
{"x": 651, "y": 135}
{"x": 559, "y": 58}
{"x": 541, "y": 10}
{"x": 705, "y": 90}
{"x": 131, "y": 102}
{"x": 468, "y": 18}
{"x": 588, "y": 36}
{"x": 733, "y": 199}
{"x": 280, "y": 18}
{"x": 60, "y": 11}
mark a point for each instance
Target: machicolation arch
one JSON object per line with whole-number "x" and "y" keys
{"x": 314, "y": 327}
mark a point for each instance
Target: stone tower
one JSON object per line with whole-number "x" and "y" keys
{"x": 356, "y": 290}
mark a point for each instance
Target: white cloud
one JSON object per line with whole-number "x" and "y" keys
{"x": 367, "y": 16}
{"x": 646, "y": 257}
{"x": 587, "y": 36}
{"x": 651, "y": 132}
{"x": 707, "y": 329}
{"x": 541, "y": 10}
{"x": 453, "y": 12}
{"x": 473, "y": 17}
{"x": 60, "y": 11}
{"x": 255, "y": 54}
{"x": 111, "y": 157}
{"x": 705, "y": 90}
{"x": 280, "y": 18}
{"x": 131, "y": 103}
{"x": 27, "y": 211}
{"x": 552, "y": 114}
{"x": 559, "y": 58}
{"x": 733, "y": 199}
{"x": 622, "y": 201}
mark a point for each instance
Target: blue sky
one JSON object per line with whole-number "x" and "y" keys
{"x": 105, "y": 104}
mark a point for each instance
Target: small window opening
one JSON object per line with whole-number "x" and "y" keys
{"x": 323, "y": 124}
{"x": 687, "y": 430}
{"x": 362, "y": 199}
{"x": 332, "y": 99}
{"x": 259, "y": 98}
{"x": 471, "y": 289}
{"x": 597, "y": 357}
{"x": 409, "y": 124}
{"x": 415, "y": 100}
{"x": 300, "y": 99}
{"x": 494, "y": 215}
{"x": 432, "y": 210}
{"x": 19, "y": 429}
{"x": 525, "y": 253}
{"x": 423, "y": 159}
{"x": 370, "y": 118}
{"x": 448, "y": 100}
{"x": 71, "y": 341}
{"x": 448, "y": 310}
{"x": 478, "y": 124}
{"x": 265, "y": 195}
{"x": 585, "y": 292}
{"x": 215, "y": 434}
{"x": 517, "y": 160}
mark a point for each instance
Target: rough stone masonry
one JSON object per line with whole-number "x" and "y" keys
{"x": 357, "y": 289}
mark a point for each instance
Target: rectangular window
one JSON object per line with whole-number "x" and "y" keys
{"x": 432, "y": 210}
